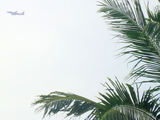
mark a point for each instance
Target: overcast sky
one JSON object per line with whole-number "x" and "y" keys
{"x": 58, "y": 45}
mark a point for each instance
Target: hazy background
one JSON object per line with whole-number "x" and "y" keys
{"x": 58, "y": 45}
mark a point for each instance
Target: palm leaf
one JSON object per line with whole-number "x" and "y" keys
{"x": 72, "y": 104}
{"x": 121, "y": 98}
{"x": 141, "y": 34}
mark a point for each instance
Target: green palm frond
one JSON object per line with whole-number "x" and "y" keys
{"x": 72, "y": 104}
{"x": 124, "y": 17}
{"x": 147, "y": 53}
{"x": 141, "y": 34}
{"x": 120, "y": 96}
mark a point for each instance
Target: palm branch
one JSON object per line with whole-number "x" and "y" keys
{"x": 125, "y": 101}
{"x": 72, "y": 104}
{"x": 120, "y": 100}
{"x": 139, "y": 32}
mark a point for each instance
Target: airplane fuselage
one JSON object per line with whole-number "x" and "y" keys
{"x": 15, "y": 13}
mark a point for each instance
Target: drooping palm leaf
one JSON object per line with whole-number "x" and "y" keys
{"x": 141, "y": 34}
{"x": 72, "y": 104}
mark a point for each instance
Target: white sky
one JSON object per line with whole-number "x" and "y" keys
{"x": 58, "y": 45}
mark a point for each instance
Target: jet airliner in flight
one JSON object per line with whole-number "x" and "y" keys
{"x": 15, "y": 13}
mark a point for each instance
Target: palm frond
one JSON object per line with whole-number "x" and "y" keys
{"x": 148, "y": 53}
{"x": 141, "y": 34}
{"x": 124, "y": 17}
{"x": 119, "y": 95}
{"x": 72, "y": 104}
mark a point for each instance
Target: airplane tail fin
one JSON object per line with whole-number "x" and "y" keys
{"x": 23, "y": 13}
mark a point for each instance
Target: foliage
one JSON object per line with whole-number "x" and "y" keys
{"x": 122, "y": 101}
{"x": 141, "y": 34}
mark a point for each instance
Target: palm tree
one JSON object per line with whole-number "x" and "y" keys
{"x": 120, "y": 102}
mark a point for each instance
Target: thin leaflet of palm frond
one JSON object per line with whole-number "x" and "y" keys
{"x": 140, "y": 18}
{"x": 134, "y": 95}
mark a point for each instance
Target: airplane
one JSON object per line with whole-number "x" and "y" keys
{"x": 15, "y": 13}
